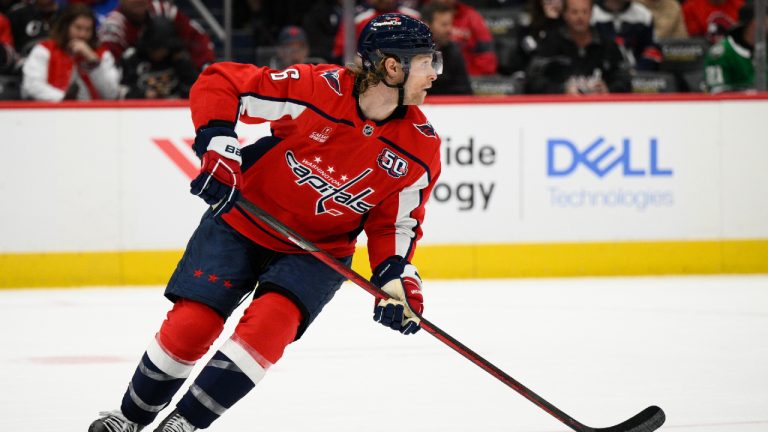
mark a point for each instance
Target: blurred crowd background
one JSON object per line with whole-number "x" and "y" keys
{"x": 53, "y": 50}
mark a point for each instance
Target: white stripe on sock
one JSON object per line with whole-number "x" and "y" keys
{"x": 167, "y": 362}
{"x": 245, "y": 358}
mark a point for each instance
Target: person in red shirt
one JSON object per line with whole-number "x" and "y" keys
{"x": 471, "y": 33}
{"x": 121, "y": 28}
{"x": 711, "y": 18}
{"x": 69, "y": 65}
{"x": 350, "y": 151}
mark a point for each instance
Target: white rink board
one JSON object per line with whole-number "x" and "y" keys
{"x": 96, "y": 179}
{"x": 681, "y": 171}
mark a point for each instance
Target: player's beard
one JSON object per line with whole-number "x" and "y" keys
{"x": 414, "y": 95}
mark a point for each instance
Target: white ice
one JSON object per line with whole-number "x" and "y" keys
{"x": 599, "y": 349}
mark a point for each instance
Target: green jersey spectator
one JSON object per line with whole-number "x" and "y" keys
{"x": 729, "y": 65}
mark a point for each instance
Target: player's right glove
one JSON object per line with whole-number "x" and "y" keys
{"x": 220, "y": 179}
{"x": 399, "y": 279}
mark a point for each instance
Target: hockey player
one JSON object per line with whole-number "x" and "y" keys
{"x": 349, "y": 152}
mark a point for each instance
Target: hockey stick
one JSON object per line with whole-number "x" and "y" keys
{"x": 647, "y": 420}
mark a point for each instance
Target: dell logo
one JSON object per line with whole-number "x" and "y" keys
{"x": 564, "y": 157}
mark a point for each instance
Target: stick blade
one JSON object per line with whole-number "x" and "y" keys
{"x": 648, "y": 420}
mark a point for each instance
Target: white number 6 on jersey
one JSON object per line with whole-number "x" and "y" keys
{"x": 291, "y": 73}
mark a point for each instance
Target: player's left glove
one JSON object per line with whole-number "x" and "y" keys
{"x": 220, "y": 179}
{"x": 399, "y": 279}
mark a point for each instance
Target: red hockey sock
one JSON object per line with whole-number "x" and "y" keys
{"x": 189, "y": 330}
{"x": 269, "y": 325}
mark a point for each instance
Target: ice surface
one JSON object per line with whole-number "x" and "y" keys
{"x": 599, "y": 349}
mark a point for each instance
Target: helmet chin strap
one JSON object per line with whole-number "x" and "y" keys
{"x": 400, "y": 88}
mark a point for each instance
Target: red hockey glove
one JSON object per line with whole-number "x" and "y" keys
{"x": 399, "y": 279}
{"x": 220, "y": 179}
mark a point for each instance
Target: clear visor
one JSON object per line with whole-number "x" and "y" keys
{"x": 426, "y": 64}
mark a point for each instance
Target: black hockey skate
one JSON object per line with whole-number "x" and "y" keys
{"x": 114, "y": 421}
{"x": 175, "y": 422}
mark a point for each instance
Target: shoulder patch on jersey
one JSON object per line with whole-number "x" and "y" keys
{"x": 332, "y": 78}
{"x": 426, "y": 129}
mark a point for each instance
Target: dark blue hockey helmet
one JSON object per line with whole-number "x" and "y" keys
{"x": 396, "y": 35}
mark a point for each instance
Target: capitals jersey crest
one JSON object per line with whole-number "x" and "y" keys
{"x": 332, "y": 78}
{"x": 426, "y": 129}
{"x": 328, "y": 187}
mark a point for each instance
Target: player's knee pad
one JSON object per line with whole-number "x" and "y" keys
{"x": 189, "y": 329}
{"x": 269, "y": 324}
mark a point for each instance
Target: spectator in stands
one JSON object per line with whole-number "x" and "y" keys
{"x": 577, "y": 59}
{"x": 454, "y": 80}
{"x": 123, "y": 25}
{"x": 630, "y": 25}
{"x": 31, "y": 23}
{"x": 546, "y": 16}
{"x": 729, "y": 64}
{"x": 7, "y": 51}
{"x": 292, "y": 48}
{"x": 474, "y": 39}
{"x": 159, "y": 67}
{"x": 668, "y": 21}
{"x": 377, "y": 7}
{"x": 69, "y": 65}
{"x": 711, "y": 18}
{"x": 321, "y": 23}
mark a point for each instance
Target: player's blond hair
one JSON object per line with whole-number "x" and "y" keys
{"x": 365, "y": 79}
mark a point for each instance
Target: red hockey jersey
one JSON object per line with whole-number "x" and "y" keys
{"x": 329, "y": 173}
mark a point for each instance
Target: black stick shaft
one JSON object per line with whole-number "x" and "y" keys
{"x": 435, "y": 331}
{"x": 430, "y": 328}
